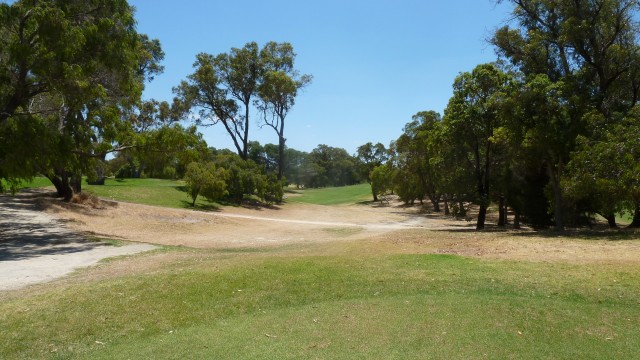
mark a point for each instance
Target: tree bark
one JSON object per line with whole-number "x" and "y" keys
{"x": 516, "y": 220}
{"x": 558, "y": 201}
{"x": 636, "y": 217}
{"x": 462, "y": 211}
{"x": 482, "y": 216}
{"x": 435, "y": 200}
{"x": 76, "y": 183}
{"x": 611, "y": 220}
{"x": 502, "y": 212}
{"x": 281, "y": 141}
{"x": 61, "y": 183}
{"x": 446, "y": 205}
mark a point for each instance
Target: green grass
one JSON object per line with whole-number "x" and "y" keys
{"x": 253, "y": 305}
{"x": 333, "y": 196}
{"x": 167, "y": 193}
{"x": 36, "y": 182}
{"x": 159, "y": 192}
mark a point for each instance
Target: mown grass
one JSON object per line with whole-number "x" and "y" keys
{"x": 36, "y": 182}
{"x": 158, "y": 192}
{"x": 255, "y": 305}
{"x": 332, "y": 196}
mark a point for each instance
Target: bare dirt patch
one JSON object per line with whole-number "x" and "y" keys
{"x": 240, "y": 227}
{"x": 393, "y": 228}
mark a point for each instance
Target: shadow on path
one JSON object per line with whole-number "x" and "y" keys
{"x": 27, "y": 232}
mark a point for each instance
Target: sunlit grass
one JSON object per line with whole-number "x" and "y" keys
{"x": 332, "y": 196}
{"x": 158, "y": 192}
{"x": 278, "y": 305}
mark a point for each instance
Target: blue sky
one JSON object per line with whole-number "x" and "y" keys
{"x": 374, "y": 63}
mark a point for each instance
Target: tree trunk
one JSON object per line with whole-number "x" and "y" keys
{"x": 516, "y": 220}
{"x": 62, "y": 186}
{"x": 375, "y": 196}
{"x": 482, "y": 216}
{"x": 435, "y": 200}
{"x": 281, "y": 141}
{"x": 558, "y": 201}
{"x": 76, "y": 183}
{"x": 611, "y": 220}
{"x": 636, "y": 217}
{"x": 463, "y": 210}
{"x": 446, "y": 205}
{"x": 502, "y": 213}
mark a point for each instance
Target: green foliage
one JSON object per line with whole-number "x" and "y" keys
{"x": 381, "y": 181}
{"x": 243, "y": 177}
{"x": 576, "y": 61}
{"x": 419, "y": 160}
{"x": 167, "y": 146}
{"x": 206, "y": 180}
{"x": 69, "y": 70}
{"x": 329, "y": 166}
{"x": 472, "y": 120}
{"x": 277, "y": 91}
{"x": 606, "y": 170}
{"x": 369, "y": 157}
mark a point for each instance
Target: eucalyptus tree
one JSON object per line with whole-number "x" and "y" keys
{"x": 418, "y": 153}
{"x": 371, "y": 156}
{"x": 606, "y": 170}
{"x": 222, "y": 88}
{"x": 581, "y": 58}
{"x": 278, "y": 90}
{"x": 473, "y": 119}
{"x": 68, "y": 69}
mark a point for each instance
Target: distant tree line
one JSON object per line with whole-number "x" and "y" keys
{"x": 324, "y": 166}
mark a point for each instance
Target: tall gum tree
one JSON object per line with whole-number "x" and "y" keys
{"x": 278, "y": 91}
{"x": 586, "y": 48}
{"x": 472, "y": 118}
{"x": 68, "y": 69}
{"x": 371, "y": 156}
{"x": 222, "y": 88}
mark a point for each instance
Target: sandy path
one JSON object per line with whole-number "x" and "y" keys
{"x": 37, "y": 247}
{"x": 241, "y": 227}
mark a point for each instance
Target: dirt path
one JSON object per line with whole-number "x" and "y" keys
{"x": 241, "y": 227}
{"x": 37, "y": 247}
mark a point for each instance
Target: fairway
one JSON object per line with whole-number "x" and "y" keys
{"x": 301, "y": 302}
{"x": 307, "y": 281}
{"x": 332, "y": 196}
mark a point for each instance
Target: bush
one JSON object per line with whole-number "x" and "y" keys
{"x": 124, "y": 172}
{"x": 207, "y": 180}
{"x": 169, "y": 172}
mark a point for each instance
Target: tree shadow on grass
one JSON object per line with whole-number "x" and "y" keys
{"x": 583, "y": 234}
{"x": 574, "y": 234}
{"x": 212, "y": 207}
